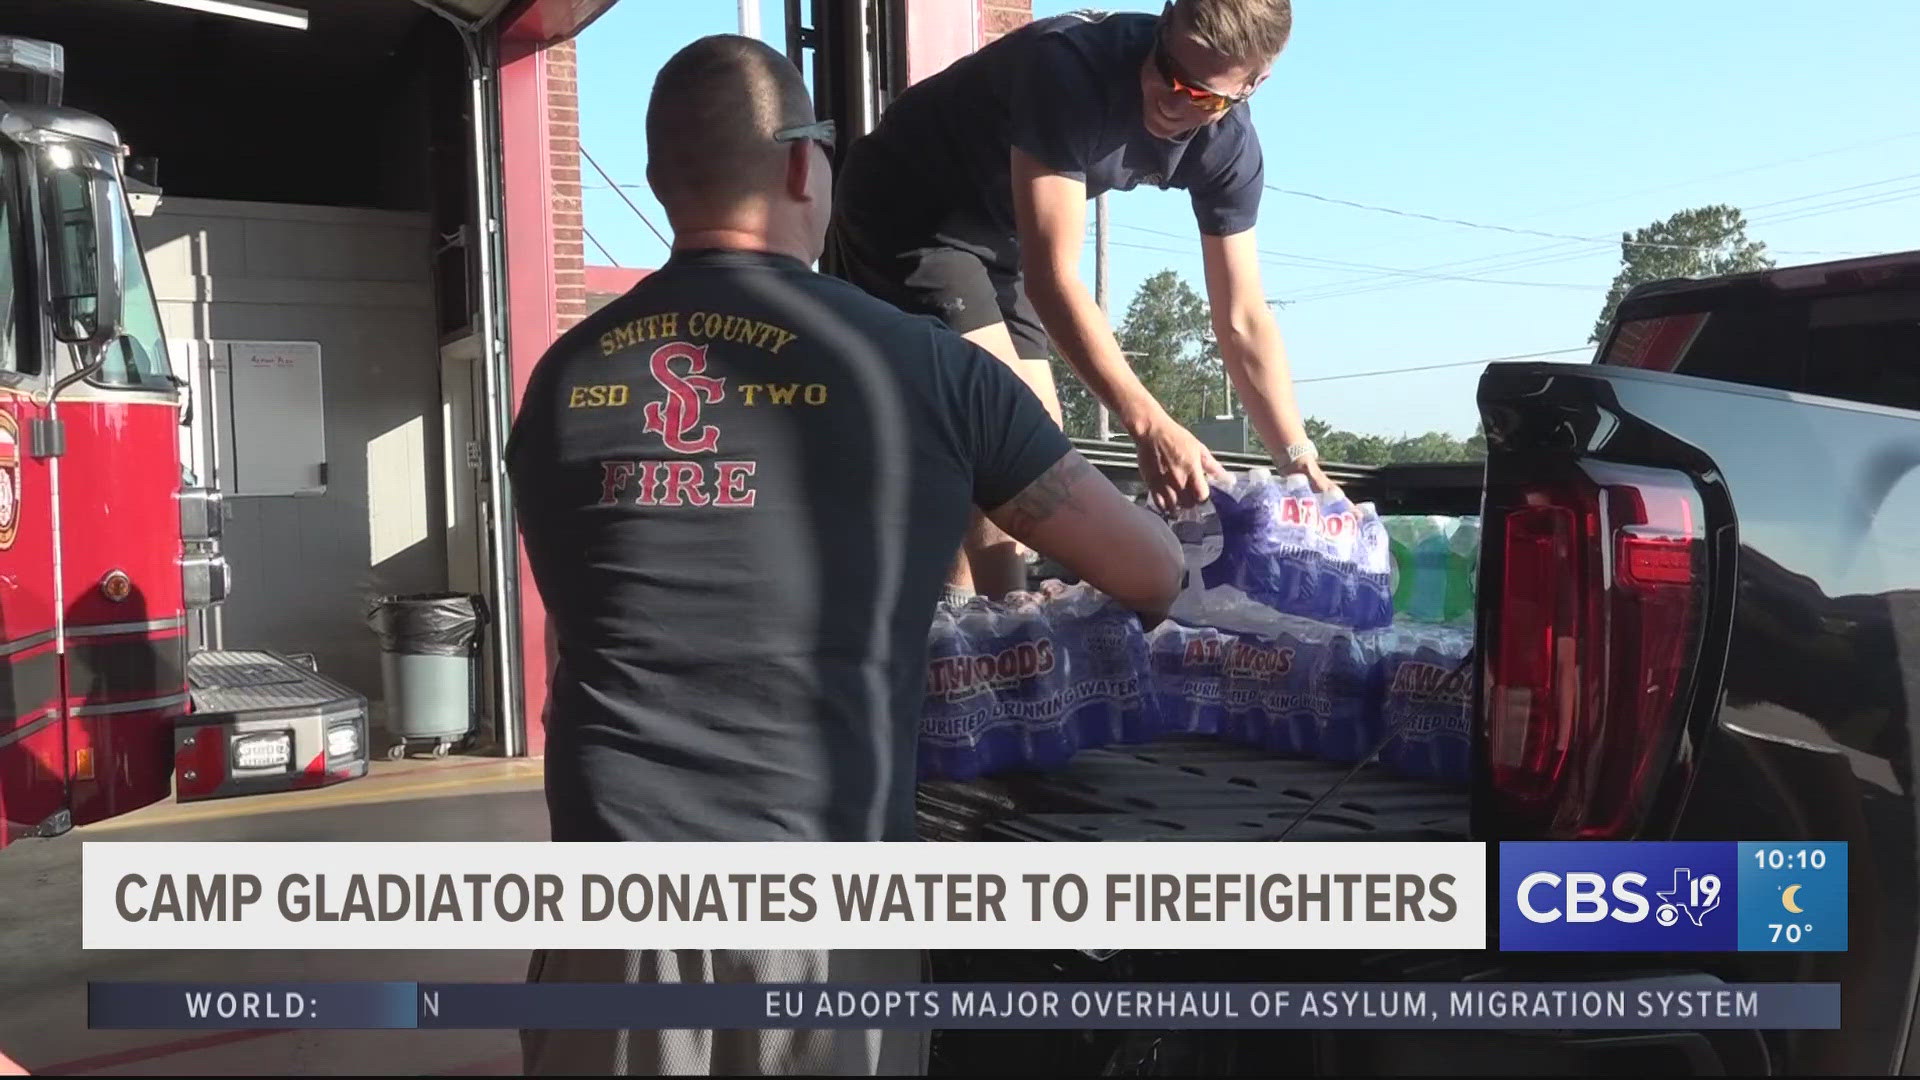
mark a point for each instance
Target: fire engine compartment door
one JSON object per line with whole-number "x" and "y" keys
{"x": 35, "y": 770}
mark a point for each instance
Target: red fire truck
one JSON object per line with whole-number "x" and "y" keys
{"x": 108, "y": 551}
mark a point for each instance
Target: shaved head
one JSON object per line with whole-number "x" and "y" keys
{"x": 710, "y": 124}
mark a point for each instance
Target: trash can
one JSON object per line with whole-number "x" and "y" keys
{"x": 428, "y": 647}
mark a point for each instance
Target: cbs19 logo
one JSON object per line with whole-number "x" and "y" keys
{"x": 1583, "y": 896}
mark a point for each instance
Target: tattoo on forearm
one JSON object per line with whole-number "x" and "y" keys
{"x": 1049, "y": 492}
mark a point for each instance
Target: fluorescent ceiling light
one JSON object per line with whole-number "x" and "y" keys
{"x": 254, "y": 10}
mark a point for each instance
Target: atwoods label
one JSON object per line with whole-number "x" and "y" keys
{"x": 957, "y": 677}
{"x": 1418, "y": 680}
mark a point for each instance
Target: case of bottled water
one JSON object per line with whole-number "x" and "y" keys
{"x": 1302, "y": 553}
{"x": 1188, "y": 690}
{"x": 1435, "y": 564}
{"x": 1426, "y": 699}
{"x": 1108, "y": 694}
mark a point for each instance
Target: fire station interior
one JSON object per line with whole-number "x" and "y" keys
{"x": 315, "y": 187}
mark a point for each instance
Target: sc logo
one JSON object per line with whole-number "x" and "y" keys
{"x": 1582, "y": 897}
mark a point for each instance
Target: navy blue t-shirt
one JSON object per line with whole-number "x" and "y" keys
{"x": 740, "y": 487}
{"x": 1066, "y": 90}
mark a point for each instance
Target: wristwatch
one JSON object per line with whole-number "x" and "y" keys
{"x": 1300, "y": 450}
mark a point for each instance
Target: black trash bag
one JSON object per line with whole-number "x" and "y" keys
{"x": 427, "y": 624}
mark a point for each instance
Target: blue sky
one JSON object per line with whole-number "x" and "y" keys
{"x": 1563, "y": 118}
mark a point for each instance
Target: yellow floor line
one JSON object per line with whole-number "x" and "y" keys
{"x": 520, "y": 776}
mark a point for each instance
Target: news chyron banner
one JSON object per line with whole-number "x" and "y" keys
{"x": 1673, "y": 896}
{"x": 1096, "y": 897}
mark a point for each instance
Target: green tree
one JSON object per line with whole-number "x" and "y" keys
{"x": 1703, "y": 242}
{"x": 1168, "y": 338}
{"x": 1079, "y": 409}
{"x": 1352, "y": 448}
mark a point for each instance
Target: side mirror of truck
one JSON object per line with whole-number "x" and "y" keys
{"x": 85, "y": 227}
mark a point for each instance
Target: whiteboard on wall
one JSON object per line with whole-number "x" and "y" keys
{"x": 274, "y": 440}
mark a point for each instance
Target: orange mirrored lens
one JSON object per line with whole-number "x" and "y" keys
{"x": 1206, "y": 99}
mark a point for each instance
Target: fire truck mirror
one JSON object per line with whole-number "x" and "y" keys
{"x": 84, "y": 234}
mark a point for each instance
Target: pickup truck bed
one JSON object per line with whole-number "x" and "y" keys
{"x": 1193, "y": 789}
{"x": 1200, "y": 788}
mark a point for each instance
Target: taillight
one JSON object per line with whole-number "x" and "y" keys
{"x": 1594, "y": 624}
{"x": 1655, "y": 344}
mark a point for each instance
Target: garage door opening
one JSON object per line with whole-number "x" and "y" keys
{"x": 317, "y": 189}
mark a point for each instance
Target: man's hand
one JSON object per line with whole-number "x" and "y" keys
{"x": 1175, "y": 466}
{"x": 1310, "y": 468}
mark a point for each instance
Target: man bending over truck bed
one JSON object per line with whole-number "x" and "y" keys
{"x": 968, "y": 202}
{"x": 740, "y": 486}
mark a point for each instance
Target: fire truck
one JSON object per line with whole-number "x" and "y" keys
{"x": 108, "y": 549}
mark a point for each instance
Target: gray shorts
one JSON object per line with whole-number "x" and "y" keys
{"x": 758, "y": 1052}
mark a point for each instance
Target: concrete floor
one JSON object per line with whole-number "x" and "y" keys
{"x": 44, "y": 972}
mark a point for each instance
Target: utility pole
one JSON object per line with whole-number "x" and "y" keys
{"x": 1100, "y": 289}
{"x": 750, "y": 19}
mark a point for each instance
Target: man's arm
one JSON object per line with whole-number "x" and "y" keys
{"x": 1050, "y": 211}
{"x": 1075, "y": 516}
{"x": 1032, "y": 483}
{"x": 1251, "y": 348}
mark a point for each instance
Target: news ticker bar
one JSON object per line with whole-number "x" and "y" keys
{"x": 1652, "y": 1005}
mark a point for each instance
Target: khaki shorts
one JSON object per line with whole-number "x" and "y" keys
{"x": 758, "y": 1052}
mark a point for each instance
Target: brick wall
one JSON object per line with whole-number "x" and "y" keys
{"x": 563, "y": 138}
{"x": 998, "y": 17}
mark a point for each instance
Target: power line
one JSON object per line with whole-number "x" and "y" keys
{"x": 1437, "y": 367}
{"x": 1510, "y": 228}
{"x": 1396, "y": 277}
{"x": 1556, "y": 253}
{"x": 1313, "y": 262}
{"x": 1548, "y": 254}
{"x": 601, "y": 246}
{"x": 1742, "y": 171}
{"x": 623, "y": 196}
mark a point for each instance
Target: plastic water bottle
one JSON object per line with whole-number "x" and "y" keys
{"x": 1371, "y": 602}
{"x": 1260, "y": 551}
{"x": 1426, "y": 696}
{"x": 1334, "y": 543}
{"x": 1105, "y": 696}
{"x": 1186, "y": 662}
{"x": 1030, "y": 679}
{"x": 1291, "y": 696}
{"x": 1463, "y": 571}
{"x": 1435, "y": 562}
{"x": 1348, "y": 680}
{"x": 954, "y": 718}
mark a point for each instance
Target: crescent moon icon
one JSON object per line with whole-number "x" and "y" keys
{"x": 1786, "y": 899}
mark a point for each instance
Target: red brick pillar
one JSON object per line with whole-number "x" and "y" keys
{"x": 999, "y": 17}
{"x": 545, "y": 266}
{"x": 563, "y": 140}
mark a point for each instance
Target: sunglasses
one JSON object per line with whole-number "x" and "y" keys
{"x": 1198, "y": 96}
{"x": 820, "y": 131}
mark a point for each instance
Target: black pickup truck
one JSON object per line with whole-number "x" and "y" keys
{"x": 1698, "y": 618}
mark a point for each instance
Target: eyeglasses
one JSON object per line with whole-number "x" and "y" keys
{"x": 1199, "y": 96}
{"x": 820, "y": 131}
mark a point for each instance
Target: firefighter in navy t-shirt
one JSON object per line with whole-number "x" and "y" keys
{"x": 968, "y": 202}
{"x": 740, "y": 486}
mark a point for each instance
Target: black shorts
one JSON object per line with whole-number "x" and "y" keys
{"x": 930, "y": 272}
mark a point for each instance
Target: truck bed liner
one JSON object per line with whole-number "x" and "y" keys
{"x": 1191, "y": 789}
